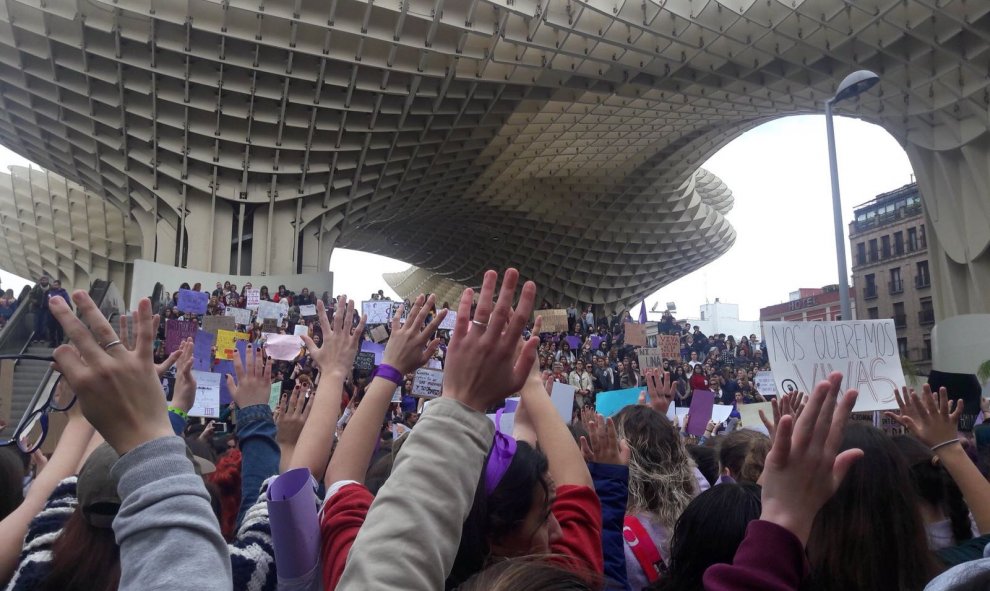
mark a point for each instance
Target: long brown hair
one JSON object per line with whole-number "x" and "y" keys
{"x": 84, "y": 558}
{"x": 870, "y": 534}
{"x": 532, "y": 574}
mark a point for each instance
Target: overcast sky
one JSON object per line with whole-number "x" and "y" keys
{"x": 782, "y": 215}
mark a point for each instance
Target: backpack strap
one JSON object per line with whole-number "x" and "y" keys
{"x": 643, "y": 548}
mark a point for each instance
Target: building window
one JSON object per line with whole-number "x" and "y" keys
{"x": 923, "y": 277}
{"x": 926, "y": 352}
{"x": 902, "y": 347}
{"x": 898, "y": 243}
{"x": 871, "y": 286}
{"x": 874, "y": 255}
{"x": 873, "y": 313}
{"x": 885, "y": 247}
{"x": 861, "y": 253}
{"x": 900, "y": 318}
{"x": 896, "y": 285}
{"x": 926, "y": 316}
{"x": 923, "y": 241}
{"x": 912, "y": 241}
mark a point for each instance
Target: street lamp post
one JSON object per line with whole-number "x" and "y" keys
{"x": 853, "y": 85}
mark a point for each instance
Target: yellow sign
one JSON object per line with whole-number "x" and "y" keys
{"x": 227, "y": 343}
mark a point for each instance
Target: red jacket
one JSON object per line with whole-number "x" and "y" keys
{"x": 698, "y": 382}
{"x": 343, "y": 515}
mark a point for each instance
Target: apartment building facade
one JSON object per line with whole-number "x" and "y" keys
{"x": 890, "y": 269}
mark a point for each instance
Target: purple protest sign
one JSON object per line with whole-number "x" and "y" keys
{"x": 378, "y": 350}
{"x": 574, "y": 342}
{"x": 702, "y": 404}
{"x": 295, "y": 524}
{"x": 203, "y": 350}
{"x": 224, "y": 366}
{"x": 177, "y": 331}
{"x": 596, "y": 341}
{"x": 193, "y": 302}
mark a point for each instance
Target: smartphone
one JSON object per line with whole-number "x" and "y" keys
{"x": 219, "y": 427}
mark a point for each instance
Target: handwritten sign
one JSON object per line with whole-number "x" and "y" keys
{"x": 554, "y": 320}
{"x": 269, "y": 325}
{"x": 378, "y": 312}
{"x": 365, "y": 362}
{"x": 635, "y": 334}
{"x": 307, "y": 310}
{"x": 227, "y": 343}
{"x": 241, "y": 316}
{"x": 177, "y": 331}
{"x": 428, "y": 383}
{"x": 271, "y": 310}
{"x": 253, "y": 296}
{"x": 207, "y": 402}
{"x": 214, "y": 324}
{"x": 379, "y": 334}
{"x": 193, "y": 302}
{"x": 650, "y": 358}
{"x": 864, "y": 351}
{"x": 670, "y": 346}
{"x": 765, "y": 385}
{"x": 448, "y": 321}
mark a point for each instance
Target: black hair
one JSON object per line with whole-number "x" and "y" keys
{"x": 11, "y": 479}
{"x": 709, "y": 532}
{"x": 494, "y": 516}
{"x": 704, "y": 458}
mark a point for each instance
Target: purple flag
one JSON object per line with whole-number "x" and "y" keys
{"x": 193, "y": 302}
{"x": 177, "y": 331}
{"x": 642, "y": 312}
{"x": 203, "y": 350}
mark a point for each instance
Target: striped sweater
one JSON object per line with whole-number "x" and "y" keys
{"x": 252, "y": 557}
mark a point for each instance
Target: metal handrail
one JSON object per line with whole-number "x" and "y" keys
{"x": 17, "y": 324}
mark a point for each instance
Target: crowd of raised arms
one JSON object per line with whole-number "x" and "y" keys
{"x": 138, "y": 495}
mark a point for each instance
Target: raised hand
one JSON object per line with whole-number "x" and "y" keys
{"x": 931, "y": 419}
{"x": 484, "y": 362}
{"x": 254, "y": 382}
{"x": 184, "y": 391}
{"x": 804, "y": 467}
{"x": 602, "y": 445}
{"x": 292, "y": 415}
{"x": 791, "y": 403}
{"x": 659, "y": 391}
{"x": 410, "y": 346}
{"x": 127, "y": 339}
{"x": 118, "y": 389}
{"x": 340, "y": 340}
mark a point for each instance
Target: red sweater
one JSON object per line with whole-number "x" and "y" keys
{"x": 699, "y": 382}
{"x": 579, "y": 512}
{"x": 342, "y": 517}
{"x": 770, "y": 558}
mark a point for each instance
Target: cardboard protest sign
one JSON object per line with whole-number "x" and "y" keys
{"x": 308, "y": 310}
{"x": 749, "y": 415}
{"x": 649, "y": 359}
{"x": 764, "y": 383}
{"x": 379, "y": 334}
{"x": 365, "y": 362}
{"x": 377, "y": 311}
{"x": 227, "y": 343}
{"x": 670, "y": 346}
{"x": 271, "y": 310}
{"x": 177, "y": 331}
{"x": 554, "y": 320}
{"x": 635, "y": 334}
{"x": 802, "y": 354}
{"x": 241, "y": 316}
{"x": 213, "y": 324}
{"x": 300, "y": 330}
{"x": 702, "y": 403}
{"x": 253, "y": 296}
{"x": 275, "y": 395}
{"x": 448, "y": 321}
{"x": 207, "y": 402}
{"x": 203, "y": 350}
{"x": 427, "y": 383}
{"x": 193, "y": 302}
{"x": 283, "y": 347}
{"x": 269, "y": 325}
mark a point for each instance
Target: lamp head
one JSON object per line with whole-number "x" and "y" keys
{"x": 855, "y": 84}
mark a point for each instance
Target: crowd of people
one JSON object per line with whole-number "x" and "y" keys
{"x": 138, "y": 495}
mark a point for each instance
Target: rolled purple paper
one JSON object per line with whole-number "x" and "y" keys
{"x": 294, "y": 523}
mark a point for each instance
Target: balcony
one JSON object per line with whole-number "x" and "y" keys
{"x": 926, "y": 317}
{"x": 900, "y": 320}
{"x": 870, "y": 293}
{"x": 896, "y": 286}
{"x": 923, "y": 281}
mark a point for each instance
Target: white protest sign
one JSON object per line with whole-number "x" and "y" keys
{"x": 427, "y": 383}
{"x": 721, "y": 412}
{"x": 763, "y": 380}
{"x": 434, "y": 363}
{"x": 307, "y": 310}
{"x": 283, "y": 347}
{"x": 397, "y": 395}
{"x": 271, "y": 310}
{"x": 749, "y": 416}
{"x": 562, "y": 396}
{"x": 300, "y": 330}
{"x": 241, "y": 316}
{"x": 378, "y": 312}
{"x": 448, "y": 321}
{"x": 864, "y": 351}
{"x": 253, "y": 296}
{"x": 207, "y": 402}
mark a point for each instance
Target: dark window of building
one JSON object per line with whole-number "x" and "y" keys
{"x": 926, "y": 352}
{"x": 923, "y": 277}
{"x": 874, "y": 255}
{"x": 861, "y": 253}
{"x": 898, "y": 243}
{"x": 912, "y": 239}
{"x": 873, "y": 313}
{"x": 926, "y": 316}
{"x": 902, "y": 346}
{"x": 900, "y": 318}
{"x": 896, "y": 284}
{"x": 871, "y": 286}
{"x": 885, "y": 247}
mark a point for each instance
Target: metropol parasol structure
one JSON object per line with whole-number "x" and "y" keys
{"x": 564, "y": 137}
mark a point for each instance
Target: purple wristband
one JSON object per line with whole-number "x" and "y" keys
{"x": 387, "y": 372}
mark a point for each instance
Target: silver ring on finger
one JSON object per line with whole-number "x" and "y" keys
{"x": 480, "y": 324}
{"x": 112, "y": 344}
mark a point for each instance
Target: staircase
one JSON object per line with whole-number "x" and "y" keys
{"x": 27, "y": 376}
